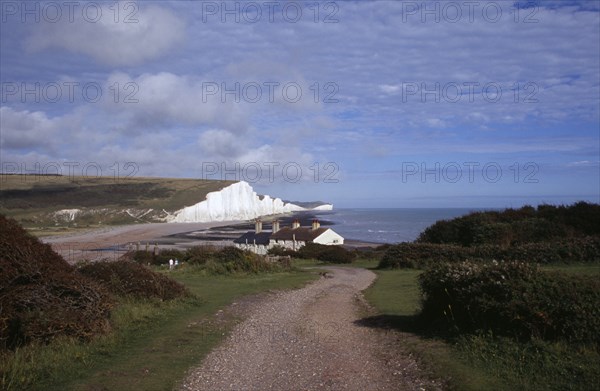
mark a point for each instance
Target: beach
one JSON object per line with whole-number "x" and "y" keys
{"x": 111, "y": 242}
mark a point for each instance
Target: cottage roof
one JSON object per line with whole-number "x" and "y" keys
{"x": 250, "y": 238}
{"x": 301, "y": 234}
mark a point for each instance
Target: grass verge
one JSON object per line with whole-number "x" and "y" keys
{"x": 154, "y": 342}
{"x": 477, "y": 362}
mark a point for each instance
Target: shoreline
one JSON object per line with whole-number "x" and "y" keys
{"x": 111, "y": 242}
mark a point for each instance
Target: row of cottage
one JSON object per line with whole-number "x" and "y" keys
{"x": 292, "y": 238}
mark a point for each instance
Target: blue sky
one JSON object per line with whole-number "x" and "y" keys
{"x": 363, "y": 104}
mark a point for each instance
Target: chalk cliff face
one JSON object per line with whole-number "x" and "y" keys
{"x": 235, "y": 202}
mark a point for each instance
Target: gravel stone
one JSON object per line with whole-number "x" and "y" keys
{"x": 308, "y": 339}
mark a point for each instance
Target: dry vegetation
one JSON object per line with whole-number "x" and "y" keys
{"x": 43, "y": 297}
{"x": 34, "y": 200}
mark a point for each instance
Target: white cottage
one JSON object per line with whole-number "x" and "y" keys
{"x": 292, "y": 238}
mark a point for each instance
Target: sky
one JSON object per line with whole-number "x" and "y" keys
{"x": 358, "y": 103}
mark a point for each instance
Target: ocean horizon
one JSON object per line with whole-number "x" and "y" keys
{"x": 389, "y": 225}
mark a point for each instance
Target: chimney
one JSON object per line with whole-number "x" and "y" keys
{"x": 315, "y": 224}
{"x": 258, "y": 226}
{"x": 296, "y": 224}
{"x": 275, "y": 226}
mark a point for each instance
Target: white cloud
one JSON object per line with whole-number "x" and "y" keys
{"x": 164, "y": 99}
{"x": 28, "y": 130}
{"x": 220, "y": 143}
{"x": 389, "y": 89}
{"x": 150, "y": 33}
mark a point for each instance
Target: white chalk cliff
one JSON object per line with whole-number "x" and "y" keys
{"x": 235, "y": 202}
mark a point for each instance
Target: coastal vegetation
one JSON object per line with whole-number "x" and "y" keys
{"x": 54, "y": 204}
{"x": 319, "y": 252}
{"x": 478, "y": 312}
{"x": 502, "y": 300}
{"x": 211, "y": 260}
{"x": 112, "y": 325}
{"x": 469, "y": 359}
{"x": 545, "y": 235}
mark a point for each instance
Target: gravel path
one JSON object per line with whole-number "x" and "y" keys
{"x": 307, "y": 339}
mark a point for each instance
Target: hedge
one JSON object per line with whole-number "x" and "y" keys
{"x": 513, "y": 299}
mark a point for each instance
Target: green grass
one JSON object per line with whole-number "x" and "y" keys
{"x": 153, "y": 345}
{"x": 481, "y": 362}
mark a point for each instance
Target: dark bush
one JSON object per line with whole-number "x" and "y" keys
{"x": 148, "y": 257}
{"x": 230, "y": 254}
{"x": 310, "y": 251}
{"x": 230, "y": 260}
{"x": 143, "y": 257}
{"x": 321, "y": 252}
{"x": 280, "y": 251}
{"x": 199, "y": 255}
{"x": 417, "y": 255}
{"x": 41, "y": 295}
{"x": 421, "y": 255}
{"x": 335, "y": 254}
{"x": 517, "y": 226}
{"x": 165, "y": 255}
{"x": 513, "y": 299}
{"x": 127, "y": 278}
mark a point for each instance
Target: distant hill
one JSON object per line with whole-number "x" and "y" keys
{"x": 545, "y": 223}
{"x": 55, "y": 202}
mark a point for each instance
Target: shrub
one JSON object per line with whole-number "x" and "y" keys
{"x": 141, "y": 256}
{"x": 415, "y": 255}
{"x": 148, "y": 258}
{"x": 310, "y": 251}
{"x": 517, "y": 226}
{"x": 512, "y": 299}
{"x": 199, "y": 255}
{"x": 230, "y": 260}
{"x": 280, "y": 251}
{"x": 321, "y": 252}
{"x": 335, "y": 254}
{"x": 41, "y": 295}
{"x": 165, "y": 255}
{"x": 127, "y": 278}
{"x": 421, "y": 255}
{"x": 231, "y": 254}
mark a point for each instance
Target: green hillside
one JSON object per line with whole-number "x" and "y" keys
{"x": 55, "y": 203}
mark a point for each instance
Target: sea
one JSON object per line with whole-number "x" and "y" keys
{"x": 388, "y": 225}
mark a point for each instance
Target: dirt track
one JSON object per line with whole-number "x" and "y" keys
{"x": 308, "y": 339}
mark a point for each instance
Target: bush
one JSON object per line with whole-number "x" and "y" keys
{"x": 321, "y": 252}
{"x": 335, "y": 254}
{"x": 280, "y": 251}
{"x": 418, "y": 255}
{"x": 309, "y": 251}
{"x": 421, "y": 255}
{"x": 127, "y": 278}
{"x": 199, "y": 255}
{"x": 165, "y": 255}
{"x": 148, "y": 258}
{"x": 513, "y": 299}
{"x": 517, "y": 226}
{"x": 231, "y": 254}
{"x": 41, "y": 295}
{"x": 230, "y": 260}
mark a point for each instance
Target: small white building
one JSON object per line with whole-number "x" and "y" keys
{"x": 292, "y": 238}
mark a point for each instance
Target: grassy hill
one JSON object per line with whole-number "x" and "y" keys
{"x": 58, "y": 203}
